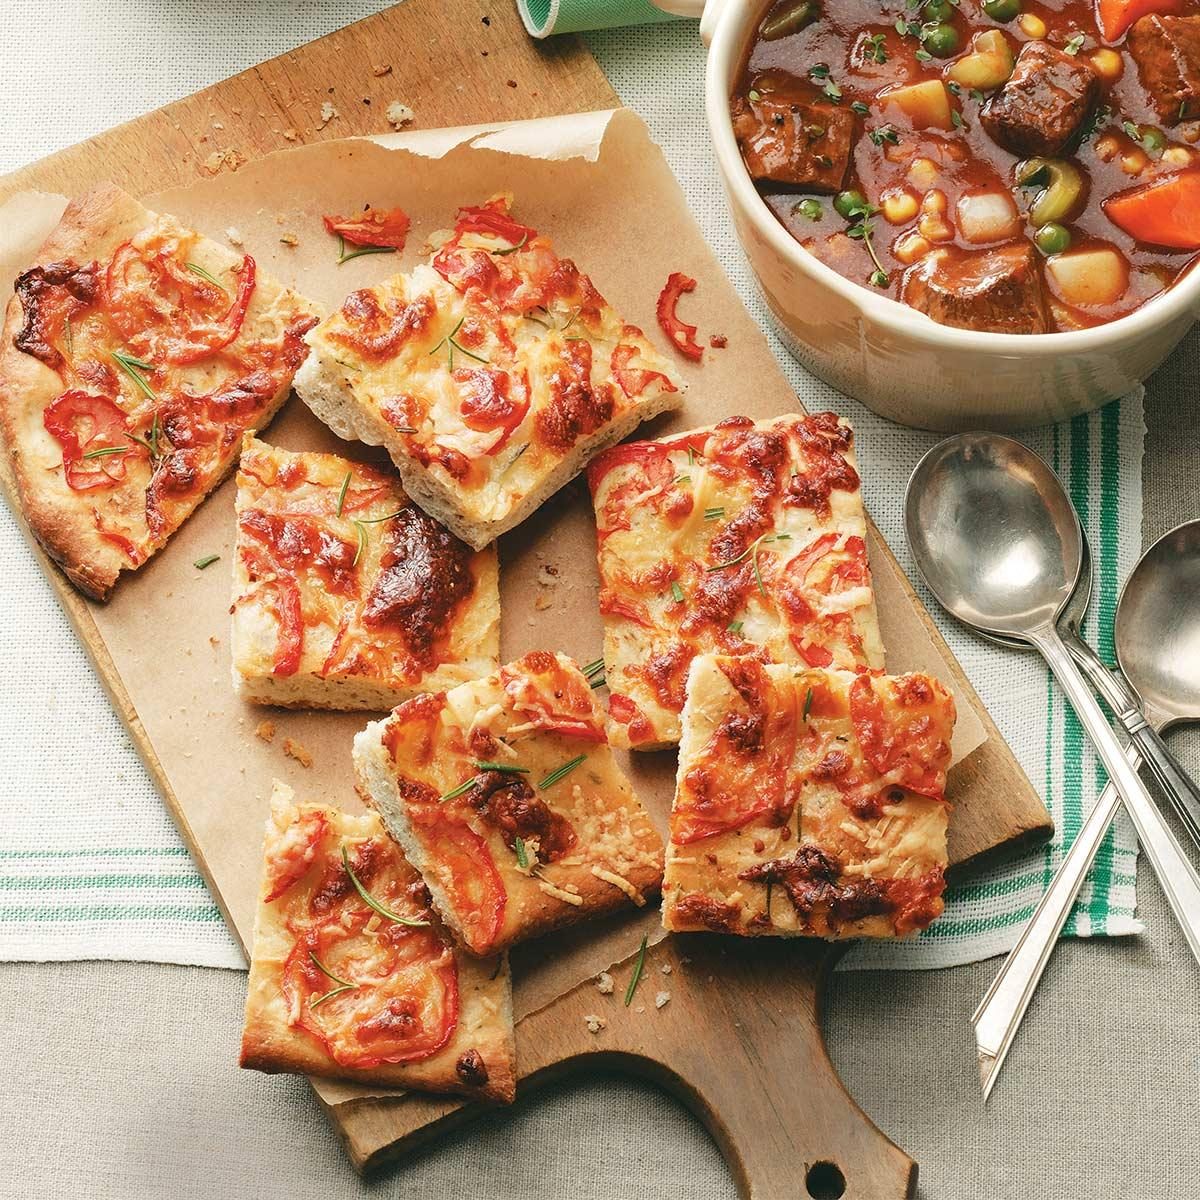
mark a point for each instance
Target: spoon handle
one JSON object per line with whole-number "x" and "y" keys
{"x": 1179, "y": 881}
{"x": 1002, "y": 1009}
{"x": 1127, "y": 708}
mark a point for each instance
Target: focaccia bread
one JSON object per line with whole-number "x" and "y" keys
{"x": 507, "y": 799}
{"x": 808, "y": 802}
{"x": 740, "y": 536}
{"x": 353, "y": 977}
{"x": 491, "y": 374}
{"x": 345, "y": 593}
{"x": 134, "y": 355}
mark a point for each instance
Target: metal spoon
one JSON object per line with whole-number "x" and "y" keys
{"x": 996, "y": 538}
{"x": 1158, "y": 628}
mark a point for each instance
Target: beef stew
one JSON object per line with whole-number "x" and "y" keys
{"x": 1002, "y": 165}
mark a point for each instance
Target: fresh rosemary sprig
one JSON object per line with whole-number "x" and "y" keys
{"x": 561, "y": 772}
{"x": 199, "y": 270}
{"x": 521, "y": 853}
{"x": 808, "y": 699}
{"x": 206, "y": 561}
{"x": 451, "y": 345}
{"x": 467, "y": 785}
{"x": 511, "y": 249}
{"x": 360, "y": 530}
{"x": 344, "y": 985}
{"x": 638, "y": 968}
{"x": 714, "y": 514}
{"x": 359, "y": 251}
{"x": 370, "y": 900}
{"x": 133, "y": 367}
{"x": 751, "y": 551}
{"x": 342, "y": 494}
{"x": 105, "y": 451}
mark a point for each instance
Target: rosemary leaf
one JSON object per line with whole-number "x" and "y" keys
{"x": 206, "y": 561}
{"x": 199, "y": 270}
{"x": 359, "y": 251}
{"x": 511, "y": 249}
{"x": 370, "y": 900}
{"x": 505, "y": 768}
{"x": 133, "y": 367}
{"x": 561, "y": 772}
{"x": 808, "y": 699}
{"x": 461, "y": 790}
{"x": 360, "y": 532}
{"x": 105, "y": 451}
{"x": 520, "y": 852}
{"x": 638, "y": 968}
{"x": 342, "y": 494}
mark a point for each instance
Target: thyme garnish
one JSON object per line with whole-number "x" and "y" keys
{"x": 133, "y": 367}
{"x": 561, "y": 772}
{"x": 638, "y": 967}
{"x": 370, "y": 900}
{"x": 862, "y": 229}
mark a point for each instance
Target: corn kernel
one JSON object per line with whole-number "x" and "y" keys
{"x": 1109, "y": 64}
{"x": 899, "y": 206}
{"x": 1032, "y": 26}
{"x": 1177, "y": 156}
{"x": 910, "y": 246}
{"x": 1135, "y": 162}
{"x": 1106, "y": 148}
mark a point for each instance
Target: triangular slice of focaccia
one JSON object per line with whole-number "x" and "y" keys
{"x": 491, "y": 374}
{"x": 353, "y": 977}
{"x": 134, "y": 355}
{"x": 808, "y": 802}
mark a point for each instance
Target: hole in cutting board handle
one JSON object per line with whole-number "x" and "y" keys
{"x": 825, "y": 1181}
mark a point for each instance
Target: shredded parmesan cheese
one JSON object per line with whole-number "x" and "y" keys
{"x": 621, "y": 882}
{"x": 595, "y": 1023}
{"x": 604, "y": 983}
{"x": 559, "y": 893}
{"x": 265, "y": 730}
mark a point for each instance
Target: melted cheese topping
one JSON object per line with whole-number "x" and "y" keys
{"x": 491, "y": 363}
{"x": 853, "y": 822}
{"x": 726, "y": 540}
{"x": 323, "y": 587}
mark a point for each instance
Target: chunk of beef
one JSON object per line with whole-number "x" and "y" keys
{"x": 995, "y": 291}
{"x": 803, "y": 143}
{"x": 1167, "y": 53}
{"x": 1043, "y": 104}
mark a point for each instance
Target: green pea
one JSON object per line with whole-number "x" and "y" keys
{"x": 941, "y": 40}
{"x": 1002, "y": 10}
{"x": 845, "y": 203}
{"x": 810, "y": 209}
{"x": 938, "y": 10}
{"x": 1053, "y": 238}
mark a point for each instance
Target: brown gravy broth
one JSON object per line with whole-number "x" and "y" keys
{"x": 1123, "y": 142}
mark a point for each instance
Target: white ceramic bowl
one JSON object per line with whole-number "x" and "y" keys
{"x": 893, "y": 358}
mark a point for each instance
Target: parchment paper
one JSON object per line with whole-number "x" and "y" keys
{"x": 600, "y": 187}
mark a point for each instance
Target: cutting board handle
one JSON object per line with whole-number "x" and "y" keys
{"x": 747, "y": 1057}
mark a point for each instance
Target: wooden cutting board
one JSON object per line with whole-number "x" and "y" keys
{"x": 739, "y": 1040}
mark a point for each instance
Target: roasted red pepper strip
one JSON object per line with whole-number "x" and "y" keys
{"x": 372, "y": 227}
{"x": 84, "y": 424}
{"x": 493, "y": 218}
{"x": 681, "y": 335}
{"x": 207, "y": 338}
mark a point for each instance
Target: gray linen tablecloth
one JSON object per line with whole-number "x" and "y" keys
{"x": 121, "y": 1081}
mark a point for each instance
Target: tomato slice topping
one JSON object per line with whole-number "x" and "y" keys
{"x": 93, "y": 434}
{"x": 492, "y": 219}
{"x": 167, "y": 310}
{"x": 634, "y": 380}
{"x": 492, "y": 400}
{"x": 283, "y": 602}
{"x": 372, "y": 227}
{"x": 908, "y": 739}
{"x": 294, "y": 853}
{"x": 681, "y": 335}
{"x": 741, "y": 774}
{"x": 551, "y": 697}
{"x": 467, "y": 872}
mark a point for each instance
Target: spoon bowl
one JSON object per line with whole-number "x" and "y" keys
{"x": 994, "y": 533}
{"x": 1157, "y": 628}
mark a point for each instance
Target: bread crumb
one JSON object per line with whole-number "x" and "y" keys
{"x": 291, "y": 135}
{"x": 665, "y": 968}
{"x": 289, "y": 239}
{"x": 542, "y": 602}
{"x": 547, "y": 575}
{"x": 218, "y": 125}
{"x": 604, "y": 983}
{"x": 399, "y": 115}
{"x": 214, "y": 641}
{"x": 219, "y": 160}
{"x": 661, "y": 999}
{"x": 594, "y": 1023}
{"x": 294, "y": 749}
{"x": 265, "y": 730}
{"x": 382, "y": 70}
{"x": 718, "y": 341}
{"x": 328, "y": 112}
{"x": 641, "y": 1008}
{"x": 233, "y": 236}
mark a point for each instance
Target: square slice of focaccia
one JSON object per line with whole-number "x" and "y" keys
{"x": 353, "y": 977}
{"x": 345, "y": 593}
{"x": 727, "y": 540}
{"x": 134, "y": 355}
{"x": 491, "y": 374}
{"x": 507, "y": 799}
{"x": 808, "y": 802}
